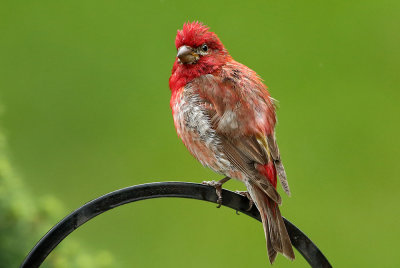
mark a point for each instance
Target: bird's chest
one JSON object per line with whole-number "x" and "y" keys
{"x": 192, "y": 121}
{"x": 193, "y": 126}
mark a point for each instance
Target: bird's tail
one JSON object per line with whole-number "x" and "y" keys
{"x": 275, "y": 231}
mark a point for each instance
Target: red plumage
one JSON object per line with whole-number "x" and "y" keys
{"x": 226, "y": 118}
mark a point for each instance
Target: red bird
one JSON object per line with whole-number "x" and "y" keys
{"x": 226, "y": 118}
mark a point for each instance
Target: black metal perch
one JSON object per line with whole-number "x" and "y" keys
{"x": 155, "y": 190}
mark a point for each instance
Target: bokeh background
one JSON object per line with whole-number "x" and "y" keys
{"x": 85, "y": 110}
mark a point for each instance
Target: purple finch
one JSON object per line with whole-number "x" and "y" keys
{"x": 226, "y": 118}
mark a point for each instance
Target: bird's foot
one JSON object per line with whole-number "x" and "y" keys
{"x": 246, "y": 194}
{"x": 218, "y": 188}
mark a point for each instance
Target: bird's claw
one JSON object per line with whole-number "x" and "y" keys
{"x": 246, "y": 194}
{"x": 218, "y": 190}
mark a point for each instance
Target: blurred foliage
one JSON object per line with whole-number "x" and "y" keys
{"x": 85, "y": 89}
{"x": 23, "y": 220}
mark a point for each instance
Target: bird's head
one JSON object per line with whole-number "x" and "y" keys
{"x": 196, "y": 44}
{"x": 199, "y": 52}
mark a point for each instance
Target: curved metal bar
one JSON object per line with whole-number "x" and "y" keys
{"x": 155, "y": 190}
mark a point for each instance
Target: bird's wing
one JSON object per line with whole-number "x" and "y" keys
{"x": 244, "y": 149}
{"x": 273, "y": 148}
{"x": 245, "y": 153}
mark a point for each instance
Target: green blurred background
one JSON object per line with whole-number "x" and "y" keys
{"x": 84, "y": 89}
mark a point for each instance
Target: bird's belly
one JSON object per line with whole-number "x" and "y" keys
{"x": 210, "y": 156}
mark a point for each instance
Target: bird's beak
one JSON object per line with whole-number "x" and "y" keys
{"x": 186, "y": 55}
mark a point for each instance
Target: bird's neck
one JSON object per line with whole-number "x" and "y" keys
{"x": 185, "y": 73}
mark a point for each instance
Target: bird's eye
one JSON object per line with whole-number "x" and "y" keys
{"x": 204, "y": 47}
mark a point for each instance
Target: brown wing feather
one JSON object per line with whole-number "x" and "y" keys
{"x": 250, "y": 147}
{"x": 273, "y": 148}
{"x": 242, "y": 161}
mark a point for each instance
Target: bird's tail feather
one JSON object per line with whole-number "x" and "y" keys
{"x": 275, "y": 231}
